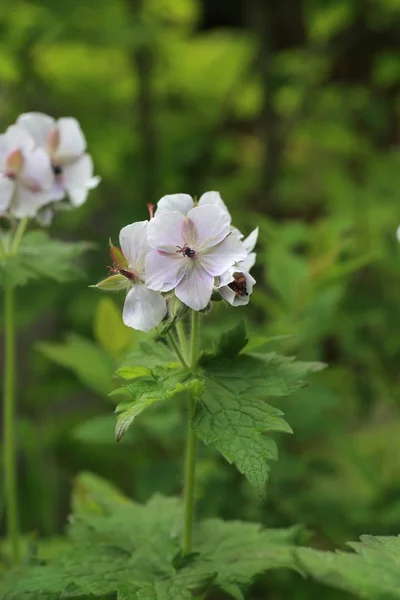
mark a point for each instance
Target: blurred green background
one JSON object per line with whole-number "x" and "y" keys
{"x": 291, "y": 110}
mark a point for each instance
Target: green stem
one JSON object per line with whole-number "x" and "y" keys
{"x": 10, "y": 479}
{"x": 18, "y": 235}
{"x": 182, "y": 338}
{"x": 190, "y": 468}
{"x": 176, "y": 349}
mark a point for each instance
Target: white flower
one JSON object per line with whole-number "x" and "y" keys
{"x": 144, "y": 309}
{"x": 398, "y": 234}
{"x": 65, "y": 143}
{"x": 183, "y": 203}
{"x": 26, "y": 176}
{"x": 236, "y": 286}
{"x": 249, "y": 243}
{"x": 188, "y": 252}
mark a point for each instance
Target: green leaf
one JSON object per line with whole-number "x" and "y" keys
{"x": 133, "y": 372}
{"x": 241, "y": 551}
{"x": 371, "y": 572}
{"x": 91, "y": 365}
{"x": 232, "y": 414}
{"x": 119, "y": 547}
{"x": 40, "y": 256}
{"x": 164, "y": 386}
{"x": 109, "y": 329}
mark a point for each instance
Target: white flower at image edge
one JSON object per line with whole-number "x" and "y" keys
{"x": 65, "y": 143}
{"x": 188, "y": 252}
{"x": 144, "y": 309}
{"x": 183, "y": 203}
{"x": 26, "y": 176}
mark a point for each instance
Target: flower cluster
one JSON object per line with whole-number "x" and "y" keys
{"x": 43, "y": 161}
{"x": 189, "y": 251}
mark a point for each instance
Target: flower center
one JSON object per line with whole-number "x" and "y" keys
{"x": 57, "y": 169}
{"x": 239, "y": 285}
{"x": 186, "y": 251}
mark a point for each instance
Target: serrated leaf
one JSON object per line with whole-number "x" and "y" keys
{"x": 41, "y": 256}
{"x": 147, "y": 392}
{"x": 241, "y": 551}
{"x": 109, "y": 329}
{"x": 371, "y": 572}
{"x": 232, "y": 414}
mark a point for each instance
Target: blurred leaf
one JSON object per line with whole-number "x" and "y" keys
{"x": 89, "y": 363}
{"x": 109, "y": 329}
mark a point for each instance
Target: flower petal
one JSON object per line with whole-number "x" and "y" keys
{"x": 18, "y": 138}
{"x": 165, "y": 232}
{"x": 180, "y": 202}
{"x": 248, "y": 263}
{"x": 222, "y": 256}
{"x": 196, "y": 287}
{"x": 133, "y": 242}
{"x": 238, "y": 300}
{"x": 144, "y": 309}
{"x": 251, "y": 240}
{"x": 26, "y": 202}
{"x": 75, "y": 177}
{"x": 7, "y": 187}
{"x": 37, "y": 125}
{"x": 210, "y": 226}
{"x": 72, "y": 141}
{"x": 36, "y": 173}
{"x": 213, "y": 198}
{"x": 164, "y": 271}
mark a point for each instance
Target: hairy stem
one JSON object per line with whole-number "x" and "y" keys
{"x": 176, "y": 349}
{"x": 190, "y": 468}
{"x": 10, "y": 479}
{"x": 180, "y": 329}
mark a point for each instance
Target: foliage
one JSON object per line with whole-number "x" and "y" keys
{"x": 370, "y": 572}
{"x": 118, "y": 546}
{"x": 40, "y": 256}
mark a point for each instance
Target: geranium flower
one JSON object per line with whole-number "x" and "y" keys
{"x": 236, "y": 284}
{"x": 183, "y": 202}
{"x": 26, "y": 176}
{"x": 144, "y": 309}
{"x": 65, "y": 143}
{"x": 188, "y": 252}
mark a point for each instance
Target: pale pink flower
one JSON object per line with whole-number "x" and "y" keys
{"x": 189, "y": 251}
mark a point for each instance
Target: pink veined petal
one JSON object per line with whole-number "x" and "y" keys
{"x": 195, "y": 288}
{"x": 72, "y": 141}
{"x": 210, "y": 225}
{"x": 26, "y": 203}
{"x": 164, "y": 271}
{"x": 165, "y": 232}
{"x": 143, "y": 309}
{"x": 213, "y": 198}
{"x": 75, "y": 177}
{"x": 36, "y": 173}
{"x": 248, "y": 263}
{"x": 222, "y": 256}
{"x": 133, "y": 243}
{"x": 172, "y": 202}
{"x": 251, "y": 240}
{"x": 7, "y": 187}
{"x": 37, "y": 125}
